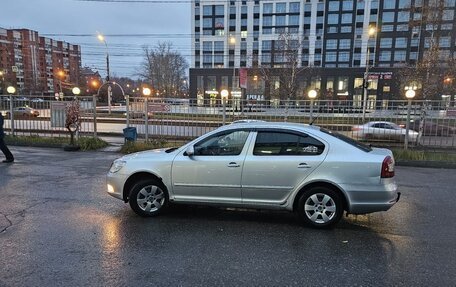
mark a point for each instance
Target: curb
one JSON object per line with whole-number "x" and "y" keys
{"x": 428, "y": 164}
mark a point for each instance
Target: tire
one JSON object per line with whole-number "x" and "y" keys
{"x": 148, "y": 198}
{"x": 320, "y": 214}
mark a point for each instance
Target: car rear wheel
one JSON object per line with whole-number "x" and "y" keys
{"x": 320, "y": 207}
{"x": 148, "y": 198}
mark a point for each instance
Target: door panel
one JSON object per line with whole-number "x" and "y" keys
{"x": 213, "y": 173}
{"x": 276, "y": 164}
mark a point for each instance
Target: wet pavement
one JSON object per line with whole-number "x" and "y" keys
{"x": 59, "y": 227}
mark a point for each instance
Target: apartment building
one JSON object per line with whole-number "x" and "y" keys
{"x": 335, "y": 40}
{"x": 37, "y": 65}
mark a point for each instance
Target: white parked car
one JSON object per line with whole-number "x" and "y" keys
{"x": 284, "y": 166}
{"x": 382, "y": 131}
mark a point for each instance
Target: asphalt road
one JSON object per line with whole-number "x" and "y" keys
{"x": 59, "y": 228}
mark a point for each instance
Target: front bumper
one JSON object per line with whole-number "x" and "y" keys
{"x": 115, "y": 183}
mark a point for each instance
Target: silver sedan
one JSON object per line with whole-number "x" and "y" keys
{"x": 284, "y": 166}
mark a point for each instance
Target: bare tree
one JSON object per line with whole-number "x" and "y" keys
{"x": 434, "y": 64}
{"x": 164, "y": 68}
{"x": 285, "y": 65}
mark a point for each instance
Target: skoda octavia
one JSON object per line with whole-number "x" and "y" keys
{"x": 284, "y": 166}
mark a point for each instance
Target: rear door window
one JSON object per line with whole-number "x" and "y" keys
{"x": 284, "y": 143}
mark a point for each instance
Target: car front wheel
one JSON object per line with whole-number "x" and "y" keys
{"x": 320, "y": 207}
{"x": 148, "y": 198}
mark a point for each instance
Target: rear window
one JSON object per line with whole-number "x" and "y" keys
{"x": 348, "y": 140}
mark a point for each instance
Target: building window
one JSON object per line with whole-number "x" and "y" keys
{"x": 385, "y": 56}
{"x": 218, "y": 46}
{"x": 267, "y": 31}
{"x": 331, "y": 56}
{"x": 445, "y": 42}
{"x": 446, "y": 27}
{"x": 281, "y": 7}
{"x": 345, "y": 29}
{"x": 333, "y": 18}
{"x": 389, "y": 4}
{"x": 386, "y": 42}
{"x": 388, "y": 17}
{"x": 294, "y": 7}
{"x": 347, "y": 5}
{"x": 207, "y": 23}
{"x": 403, "y": 16}
{"x": 403, "y": 4}
{"x": 344, "y": 56}
{"x": 267, "y": 8}
{"x": 347, "y": 18}
{"x": 401, "y": 43}
{"x": 448, "y": 15}
{"x": 333, "y": 6}
{"x": 219, "y": 10}
{"x": 450, "y": 3}
{"x": 331, "y": 44}
{"x": 399, "y": 56}
{"x": 280, "y": 20}
{"x": 267, "y": 21}
{"x": 207, "y": 46}
{"x": 387, "y": 28}
{"x": 344, "y": 44}
{"x": 243, "y": 34}
{"x": 402, "y": 28}
{"x": 266, "y": 45}
{"x": 293, "y": 20}
{"x": 207, "y": 10}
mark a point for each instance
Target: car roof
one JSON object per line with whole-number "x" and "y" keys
{"x": 264, "y": 124}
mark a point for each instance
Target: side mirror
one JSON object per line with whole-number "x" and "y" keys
{"x": 190, "y": 151}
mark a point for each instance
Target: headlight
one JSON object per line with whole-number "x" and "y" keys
{"x": 117, "y": 165}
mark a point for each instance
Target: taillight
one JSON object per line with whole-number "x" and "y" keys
{"x": 387, "y": 167}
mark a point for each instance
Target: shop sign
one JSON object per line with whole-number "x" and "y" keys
{"x": 380, "y": 75}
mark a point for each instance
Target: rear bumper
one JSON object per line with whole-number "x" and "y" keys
{"x": 370, "y": 199}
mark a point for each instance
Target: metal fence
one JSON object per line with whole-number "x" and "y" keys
{"x": 380, "y": 123}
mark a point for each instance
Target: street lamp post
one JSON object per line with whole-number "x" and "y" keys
{"x": 108, "y": 76}
{"x": 410, "y": 94}
{"x": 146, "y": 92}
{"x": 371, "y": 33}
{"x": 312, "y": 95}
{"x": 11, "y": 90}
{"x": 224, "y": 94}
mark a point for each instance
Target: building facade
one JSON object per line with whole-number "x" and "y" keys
{"x": 37, "y": 65}
{"x": 335, "y": 41}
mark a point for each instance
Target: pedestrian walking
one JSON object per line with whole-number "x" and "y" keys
{"x": 3, "y": 147}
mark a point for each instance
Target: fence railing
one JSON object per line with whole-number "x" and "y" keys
{"x": 432, "y": 124}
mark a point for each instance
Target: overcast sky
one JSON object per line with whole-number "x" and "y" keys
{"x": 168, "y": 21}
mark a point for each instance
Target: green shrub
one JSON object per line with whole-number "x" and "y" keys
{"x": 136, "y": 146}
{"x": 86, "y": 143}
{"x": 91, "y": 143}
{"x": 421, "y": 155}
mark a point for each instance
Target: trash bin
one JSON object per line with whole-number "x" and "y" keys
{"x": 130, "y": 134}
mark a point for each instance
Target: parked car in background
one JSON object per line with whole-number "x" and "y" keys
{"x": 37, "y": 100}
{"x": 283, "y": 166}
{"x": 432, "y": 127}
{"x": 24, "y": 112}
{"x": 382, "y": 131}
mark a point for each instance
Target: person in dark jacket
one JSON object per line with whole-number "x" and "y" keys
{"x": 3, "y": 147}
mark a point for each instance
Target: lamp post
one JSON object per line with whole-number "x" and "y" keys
{"x": 371, "y": 32}
{"x": 224, "y": 94}
{"x": 11, "y": 90}
{"x": 410, "y": 94}
{"x": 102, "y": 39}
{"x": 146, "y": 92}
{"x": 312, "y": 95}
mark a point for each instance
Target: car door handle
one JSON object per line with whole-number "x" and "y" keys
{"x": 303, "y": 165}
{"x": 233, "y": 164}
